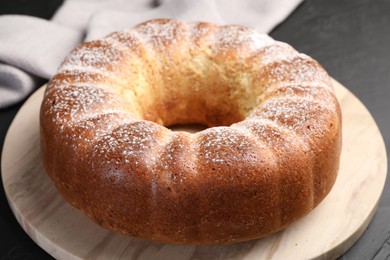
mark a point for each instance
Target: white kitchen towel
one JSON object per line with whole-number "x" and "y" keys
{"x": 32, "y": 48}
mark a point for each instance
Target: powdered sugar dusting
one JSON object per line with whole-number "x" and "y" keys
{"x": 93, "y": 55}
{"x": 76, "y": 102}
{"x": 296, "y": 69}
{"x": 199, "y": 30}
{"x": 308, "y": 118}
{"x": 277, "y": 52}
{"x": 66, "y": 78}
{"x": 315, "y": 87}
{"x": 218, "y": 144}
{"x": 172, "y": 162}
{"x": 85, "y": 69}
{"x": 81, "y": 133}
{"x": 128, "y": 142}
{"x": 272, "y": 134}
{"x": 232, "y": 37}
{"x": 126, "y": 40}
{"x": 124, "y": 37}
{"x": 159, "y": 33}
{"x": 308, "y": 91}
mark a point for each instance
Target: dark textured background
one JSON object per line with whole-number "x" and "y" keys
{"x": 350, "y": 38}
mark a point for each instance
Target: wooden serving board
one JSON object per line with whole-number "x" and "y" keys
{"x": 327, "y": 232}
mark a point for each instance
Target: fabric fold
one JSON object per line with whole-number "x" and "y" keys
{"x": 15, "y": 84}
{"x": 35, "y": 45}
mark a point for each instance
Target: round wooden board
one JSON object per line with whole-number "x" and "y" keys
{"x": 327, "y": 232}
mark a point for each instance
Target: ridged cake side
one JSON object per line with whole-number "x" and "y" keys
{"x": 272, "y": 157}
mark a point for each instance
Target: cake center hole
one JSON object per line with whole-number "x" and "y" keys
{"x": 190, "y": 128}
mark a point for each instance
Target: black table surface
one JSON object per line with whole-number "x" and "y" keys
{"x": 350, "y": 38}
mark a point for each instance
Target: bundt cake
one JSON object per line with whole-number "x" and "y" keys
{"x": 269, "y": 156}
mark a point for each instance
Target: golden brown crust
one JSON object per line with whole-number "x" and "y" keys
{"x": 273, "y": 158}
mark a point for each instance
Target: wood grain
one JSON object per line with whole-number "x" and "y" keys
{"x": 327, "y": 232}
